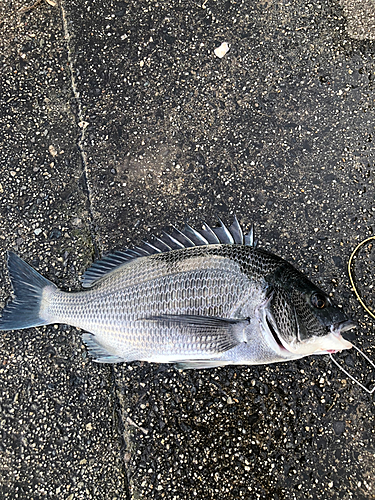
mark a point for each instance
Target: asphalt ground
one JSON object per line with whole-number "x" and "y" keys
{"x": 118, "y": 119}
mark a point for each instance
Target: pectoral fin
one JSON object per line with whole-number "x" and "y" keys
{"x": 211, "y": 333}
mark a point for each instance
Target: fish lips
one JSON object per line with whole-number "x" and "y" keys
{"x": 336, "y": 330}
{"x": 343, "y": 326}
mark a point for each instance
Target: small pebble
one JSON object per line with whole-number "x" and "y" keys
{"x": 222, "y": 50}
{"x": 52, "y": 150}
{"x": 339, "y": 427}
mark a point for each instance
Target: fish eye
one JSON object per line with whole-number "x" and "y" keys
{"x": 318, "y": 300}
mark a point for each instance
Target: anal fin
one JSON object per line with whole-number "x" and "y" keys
{"x": 99, "y": 353}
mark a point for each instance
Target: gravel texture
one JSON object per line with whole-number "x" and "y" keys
{"x": 145, "y": 126}
{"x": 360, "y": 15}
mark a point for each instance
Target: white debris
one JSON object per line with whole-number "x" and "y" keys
{"x": 222, "y": 50}
{"x": 52, "y": 150}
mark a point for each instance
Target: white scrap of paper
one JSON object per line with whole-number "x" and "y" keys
{"x": 222, "y": 50}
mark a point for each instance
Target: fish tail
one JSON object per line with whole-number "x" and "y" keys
{"x": 28, "y": 286}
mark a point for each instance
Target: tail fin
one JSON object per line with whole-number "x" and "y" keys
{"x": 28, "y": 285}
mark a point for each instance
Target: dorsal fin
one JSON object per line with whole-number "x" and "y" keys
{"x": 174, "y": 240}
{"x": 223, "y": 233}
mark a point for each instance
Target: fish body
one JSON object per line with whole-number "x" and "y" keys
{"x": 197, "y": 298}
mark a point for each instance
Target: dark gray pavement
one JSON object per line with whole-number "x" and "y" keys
{"x": 118, "y": 119}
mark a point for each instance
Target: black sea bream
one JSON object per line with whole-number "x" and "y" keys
{"x": 199, "y": 298}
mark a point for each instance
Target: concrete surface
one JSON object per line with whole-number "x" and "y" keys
{"x": 118, "y": 119}
{"x": 360, "y": 17}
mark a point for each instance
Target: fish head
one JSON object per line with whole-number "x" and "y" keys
{"x": 303, "y": 319}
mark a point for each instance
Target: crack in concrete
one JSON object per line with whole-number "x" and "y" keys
{"x": 121, "y": 429}
{"x": 82, "y": 124}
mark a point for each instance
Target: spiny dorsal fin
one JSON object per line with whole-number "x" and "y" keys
{"x": 174, "y": 240}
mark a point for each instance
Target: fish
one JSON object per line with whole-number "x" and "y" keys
{"x": 199, "y": 298}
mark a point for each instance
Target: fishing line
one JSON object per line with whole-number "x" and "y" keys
{"x": 351, "y": 276}
{"x": 366, "y": 309}
{"x": 350, "y": 376}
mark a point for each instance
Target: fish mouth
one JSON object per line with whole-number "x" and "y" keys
{"x": 336, "y": 331}
{"x": 343, "y": 326}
